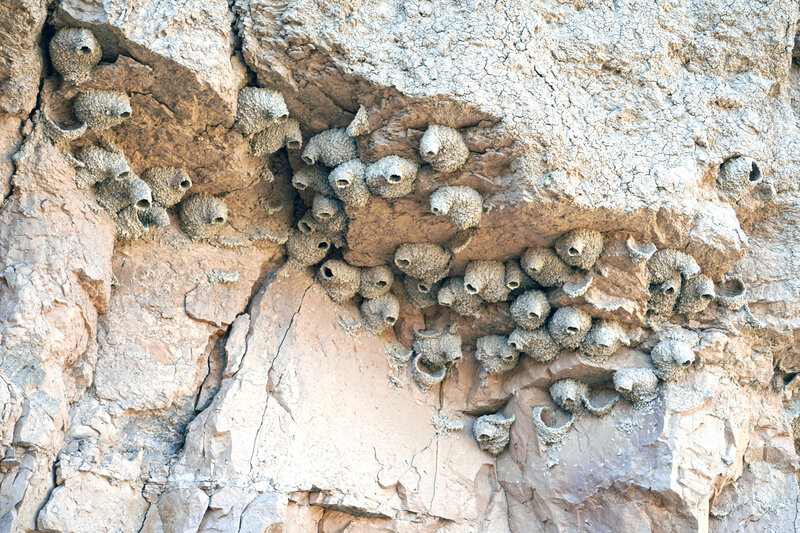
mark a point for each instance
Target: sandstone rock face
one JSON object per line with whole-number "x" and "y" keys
{"x": 202, "y": 383}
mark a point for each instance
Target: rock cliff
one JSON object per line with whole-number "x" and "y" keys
{"x": 399, "y": 266}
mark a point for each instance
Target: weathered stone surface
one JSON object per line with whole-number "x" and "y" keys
{"x": 55, "y": 253}
{"x": 20, "y": 73}
{"x": 20, "y": 69}
{"x": 89, "y": 503}
{"x": 290, "y": 425}
{"x": 194, "y": 68}
{"x": 138, "y": 335}
{"x": 166, "y": 385}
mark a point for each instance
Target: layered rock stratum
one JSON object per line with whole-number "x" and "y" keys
{"x": 165, "y": 368}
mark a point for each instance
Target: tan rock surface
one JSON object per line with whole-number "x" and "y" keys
{"x": 167, "y": 384}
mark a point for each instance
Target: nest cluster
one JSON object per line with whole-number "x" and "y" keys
{"x": 343, "y": 183}
{"x": 420, "y": 272}
{"x": 135, "y": 203}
